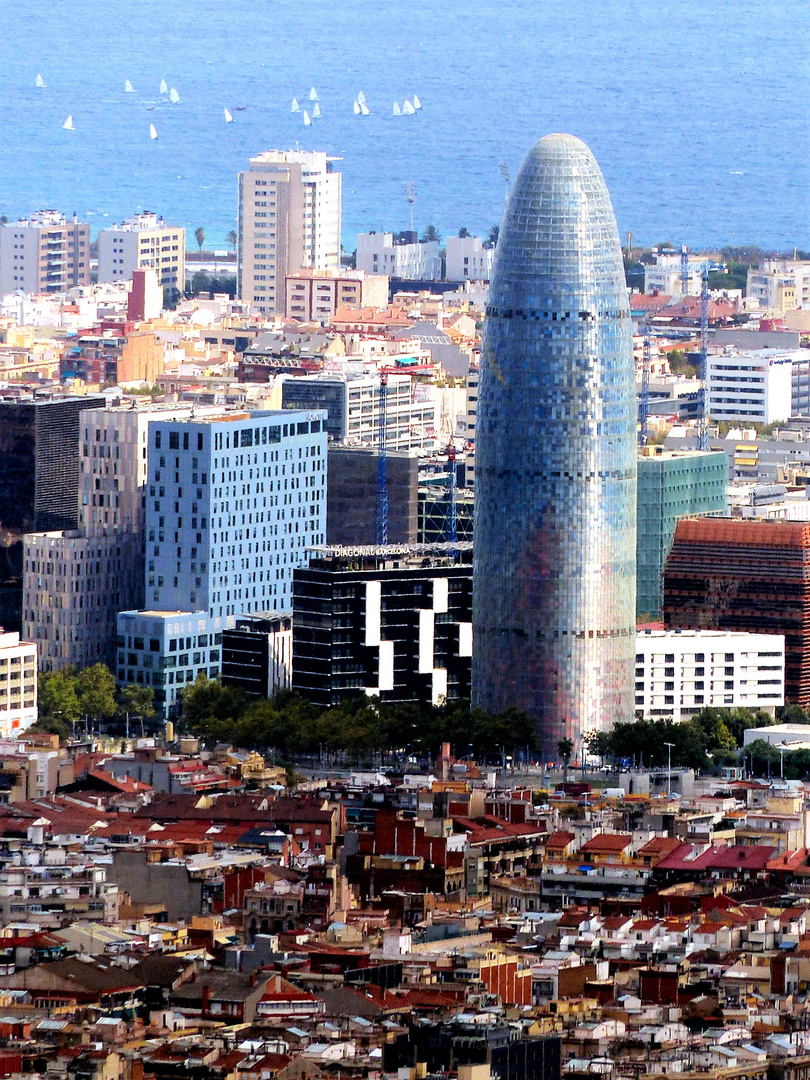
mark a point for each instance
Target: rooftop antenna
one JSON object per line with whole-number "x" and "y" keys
{"x": 409, "y": 191}
{"x": 507, "y": 180}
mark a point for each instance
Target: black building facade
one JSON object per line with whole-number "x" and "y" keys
{"x": 257, "y": 653}
{"x": 351, "y": 496}
{"x": 446, "y": 1046}
{"x": 393, "y": 622}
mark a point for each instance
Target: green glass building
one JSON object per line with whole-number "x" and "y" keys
{"x": 672, "y": 484}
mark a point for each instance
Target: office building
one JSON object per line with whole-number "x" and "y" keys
{"x": 351, "y": 500}
{"x": 672, "y": 484}
{"x": 555, "y": 458}
{"x": 315, "y": 295}
{"x": 468, "y": 259}
{"x": 405, "y": 258}
{"x": 232, "y": 503}
{"x": 754, "y": 387}
{"x": 750, "y": 576}
{"x": 391, "y": 622}
{"x": 257, "y": 653}
{"x": 680, "y": 672}
{"x": 289, "y": 220}
{"x": 45, "y": 254}
{"x": 354, "y": 404}
{"x": 18, "y": 685}
{"x": 144, "y": 241}
{"x": 780, "y": 285}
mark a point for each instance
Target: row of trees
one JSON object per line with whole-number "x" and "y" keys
{"x": 68, "y": 697}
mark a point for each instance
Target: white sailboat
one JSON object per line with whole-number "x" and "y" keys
{"x": 295, "y": 107}
{"x": 174, "y": 97}
{"x": 68, "y": 124}
{"x": 40, "y": 82}
{"x": 152, "y": 131}
{"x": 357, "y": 108}
{"x": 407, "y": 108}
{"x": 361, "y": 97}
{"x": 307, "y": 120}
{"x": 364, "y": 109}
{"x": 163, "y": 87}
{"x": 316, "y": 112}
{"x": 313, "y": 94}
{"x": 397, "y": 110}
{"x": 228, "y": 117}
{"x": 128, "y": 87}
{"x": 417, "y": 104}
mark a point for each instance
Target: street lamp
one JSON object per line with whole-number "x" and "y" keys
{"x": 669, "y": 746}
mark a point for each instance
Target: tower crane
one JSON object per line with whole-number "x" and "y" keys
{"x": 644, "y": 404}
{"x": 451, "y": 525}
{"x": 381, "y": 515}
{"x": 684, "y": 270}
{"x": 703, "y": 419}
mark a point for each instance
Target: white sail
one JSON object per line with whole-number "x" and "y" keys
{"x": 316, "y": 112}
{"x": 228, "y": 117}
{"x": 163, "y": 87}
{"x": 357, "y": 108}
{"x": 361, "y": 97}
{"x": 128, "y": 87}
{"x": 174, "y": 97}
{"x": 313, "y": 94}
{"x": 295, "y": 107}
{"x": 152, "y": 131}
{"x": 397, "y": 110}
{"x": 68, "y": 124}
{"x": 364, "y": 109}
{"x": 40, "y": 81}
{"x": 417, "y": 104}
{"x": 307, "y": 120}
{"x": 407, "y": 109}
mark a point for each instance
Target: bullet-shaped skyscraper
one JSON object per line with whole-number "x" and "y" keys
{"x": 555, "y": 488}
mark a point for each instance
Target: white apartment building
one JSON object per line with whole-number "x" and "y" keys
{"x": 780, "y": 284}
{"x": 754, "y": 387}
{"x": 354, "y": 402}
{"x": 289, "y": 220}
{"x": 18, "y": 685}
{"x": 44, "y": 254}
{"x": 468, "y": 259}
{"x": 680, "y": 672}
{"x": 377, "y": 253}
{"x": 232, "y": 504}
{"x": 141, "y": 242}
{"x": 664, "y": 275}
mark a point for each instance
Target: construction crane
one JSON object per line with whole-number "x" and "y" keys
{"x": 684, "y": 270}
{"x": 451, "y": 525}
{"x": 644, "y": 404}
{"x": 381, "y": 516}
{"x": 703, "y": 419}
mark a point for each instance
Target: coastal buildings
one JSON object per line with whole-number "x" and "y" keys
{"x": 750, "y": 387}
{"x": 18, "y": 685}
{"x": 289, "y": 220}
{"x": 393, "y": 622}
{"x": 745, "y": 575}
{"x": 780, "y": 285}
{"x": 680, "y": 672}
{"x": 555, "y": 471}
{"x": 663, "y": 276}
{"x": 672, "y": 484}
{"x": 403, "y": 257}
{"x": 316, "y": 295}
{"x": 468, "y": 259}
{"x": 143, "y": 241}
{"x": 44, "y": 254}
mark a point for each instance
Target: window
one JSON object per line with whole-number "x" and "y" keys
{"x": 174, "y": 440}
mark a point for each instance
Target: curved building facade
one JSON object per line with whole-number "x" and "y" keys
{"x": 554, "y": 575}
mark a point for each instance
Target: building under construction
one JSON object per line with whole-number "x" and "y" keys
{"x": 727, "y": 574}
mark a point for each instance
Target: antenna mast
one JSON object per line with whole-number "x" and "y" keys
{"x": 409, "y": 191}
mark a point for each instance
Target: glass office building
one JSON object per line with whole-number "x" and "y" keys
{"x": 555, "y": 516}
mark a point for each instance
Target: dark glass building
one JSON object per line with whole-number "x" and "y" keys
{"x": 555, "y": 515}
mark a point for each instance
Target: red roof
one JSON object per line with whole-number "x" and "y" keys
{"x": 610, "y": 843}
{"x": 559, "y": 840}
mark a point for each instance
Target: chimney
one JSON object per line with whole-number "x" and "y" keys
{"x": 206, "y": 999}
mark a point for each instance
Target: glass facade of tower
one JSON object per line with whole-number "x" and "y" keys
{"x": 555, "y": 515}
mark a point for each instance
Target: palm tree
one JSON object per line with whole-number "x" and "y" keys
{"x": 463, "y": 233}
{"x": 494, "y": 233}
{"x": 565, "y": 749}
{"x": 199, "y": 236}
{"x": 430, "y": 233}
{"x": 232, "y": 239}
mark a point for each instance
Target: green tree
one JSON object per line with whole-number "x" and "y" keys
{"x": 199, "y": 236}
{"x": 565, "y": 749}
{"x": 95, "y": 690}
{"x": 52, "y": 725}
{"x": 463, "y": 233}
{"x": 494, "y": 233}
{"x": 137, "y": 701}
{"x": 232, "y": 239}
{"x": 56, "y": 693}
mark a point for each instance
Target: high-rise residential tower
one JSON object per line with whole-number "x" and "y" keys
{"x": 555, "y": 482}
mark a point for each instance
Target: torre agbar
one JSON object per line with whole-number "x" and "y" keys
{"x": 555, "y": 490}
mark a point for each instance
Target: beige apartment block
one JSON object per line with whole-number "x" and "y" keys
{"x": 144, "y": 241}
{"x": 289, "y": 220}
{"x": 315, "y": 295}
{"x": 18, "y": 685}
{"x": 45, "y": 254}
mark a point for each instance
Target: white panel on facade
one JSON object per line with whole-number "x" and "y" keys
{"x": 386, "y": 665}
{"x": 439, "y": 688}
{"x": 425, "y": 642}
{"x": 440, "y": 593}
{"x": 465, "y": 639}
{"x": 373, "y": 612}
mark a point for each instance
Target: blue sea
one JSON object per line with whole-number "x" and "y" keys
{"x": 697, "y": 111}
